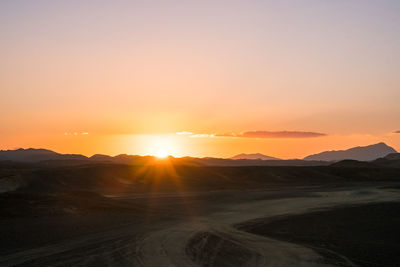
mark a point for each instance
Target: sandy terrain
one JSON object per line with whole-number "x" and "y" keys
{"x": 191, "y": 229}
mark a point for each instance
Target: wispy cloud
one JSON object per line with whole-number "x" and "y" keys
{"x": 202, "y": 135}
{"x": 271, "y": 134}
{"x": 184, "y": 133}
{"x": 259, "y": 134}
{"x": 195, "y": 135}
{"x": 76, "y": 133}
{"x": 397, "y": 132}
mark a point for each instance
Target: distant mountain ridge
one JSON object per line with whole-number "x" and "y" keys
{"x": 51, "y": 158}
{"x": 48, "y": 157}
{"x": 36, "y": 155}
{"x": 361, "y": 153}
{"x": 254, "y": 156}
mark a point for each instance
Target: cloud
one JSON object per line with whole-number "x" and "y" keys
{"x": 270, "y": 134}
{"x": 75, "y": 133}
{"x": 195, "y": 135}
{"x": 257, "y": 134}
{"x": 202, "y": 135}
{"x": 184, "y": 133}
{"x": 397, "y": 132}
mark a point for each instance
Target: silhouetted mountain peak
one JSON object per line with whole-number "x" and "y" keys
{"x": 30, "y": 150}
{"x": 254, "y": 156}
{"x": 36, "y": 155}
{"x": 100, "y": 157}
{"x": 361, "y": 153}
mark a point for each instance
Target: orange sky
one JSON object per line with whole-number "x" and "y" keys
{"x": 131, "y": 74}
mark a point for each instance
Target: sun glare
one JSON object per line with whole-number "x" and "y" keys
{"x": 161, "y": 153}
{"x": 161, "y": 146}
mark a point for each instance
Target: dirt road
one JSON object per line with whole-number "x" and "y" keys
{"x": 206, "y": 239}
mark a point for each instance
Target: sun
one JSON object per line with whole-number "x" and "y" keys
{"x": 161, "y": 146}
{"x": 161, "y": 153}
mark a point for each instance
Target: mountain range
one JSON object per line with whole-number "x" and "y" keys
{"x": 366, "y": 153}
{"x": 361, "y": 153}
{"x": 36, "y": 155}
{"x": 254, "y": 156}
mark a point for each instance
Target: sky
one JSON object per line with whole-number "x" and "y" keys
{"x": 199, "y": 78}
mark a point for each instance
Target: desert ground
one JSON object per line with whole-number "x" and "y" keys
{"x": 118, "y": 215}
